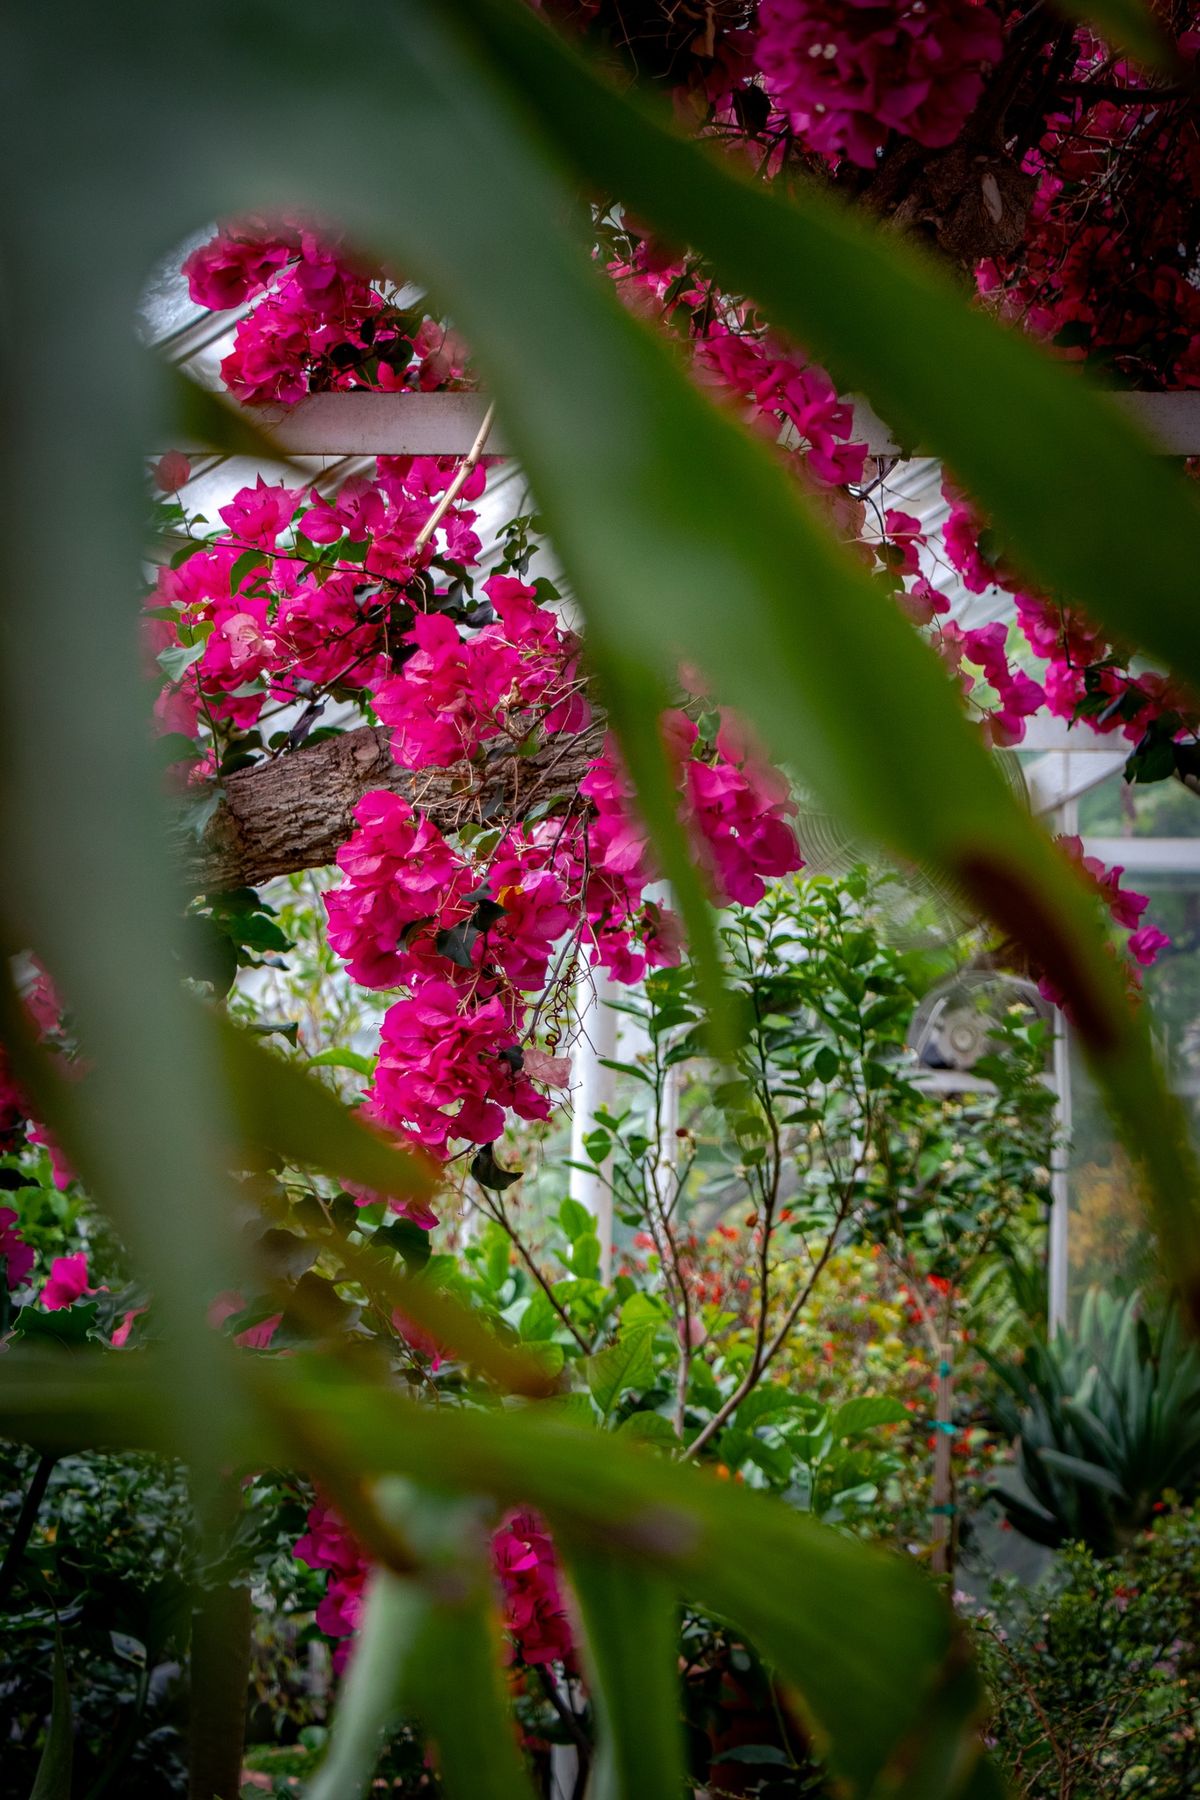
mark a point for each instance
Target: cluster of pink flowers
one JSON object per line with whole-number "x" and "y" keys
{"x": 315, "y": 319}
{"x": 45, "y": 1012}
{"x": 276, "y": 624}
{"x": 1144, "y": 943}
{"x": 329, "y": 1545}
{"x": 469, "y": 938}
{"x": 899, "y": 551}
{"x": 448, "y": 1069}
{"x": 1105, "y": 266}
{"x": 849, "y": 72}
{"x": 522, "y": 1557}
{"x": 450, "y": 1061}
{"x": 735, "y": 805}
{"x": 1018, "y": 695}
{"x": 456, "y": 694}
{"x": 1085, "y": 677}
{"x": 19, "y": 1257}
{"x": 400, "y": 873}
{"x": 780, "y": 389}
{"x": 1125, "y": 907}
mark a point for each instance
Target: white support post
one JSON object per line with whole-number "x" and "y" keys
{"x": 1057, "y": 1262}
{"x": 595, "y": 1088}
{"x": 1058, "y": 1252}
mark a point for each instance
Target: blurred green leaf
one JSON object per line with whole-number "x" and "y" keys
{"x": 631, "y": 1633}
{"x": 864, "y": 1413}
{"x": 53, "y": 1778}
{"x": 874, "y": 1650}
{"x": 341, "y": 1058}
{"x": 392, "y": 1619}
{"x": 430, "y": 1647}
{"x": 1125, "y": 25}
{"x": 282, "y": 1109}
{"x": 575, "y": 1219}
{"x": 650, "y": 1428}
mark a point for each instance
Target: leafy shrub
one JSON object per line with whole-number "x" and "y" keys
{"x": 1094, "y": 1677}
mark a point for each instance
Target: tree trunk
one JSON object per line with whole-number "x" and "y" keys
{"x": 219, "y": 1678}
{"x": 296, "y": 811}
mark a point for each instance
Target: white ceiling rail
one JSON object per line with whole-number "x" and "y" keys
{"x": 1044, "y": 732}
{"x": 365, "y": 424}
{"x": 1170, "y": 421}
{"x": 445, "y": 424}
{"x": 1148, "y": 855}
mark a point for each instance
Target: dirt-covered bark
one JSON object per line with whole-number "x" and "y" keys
{"x": 297, "y": 810}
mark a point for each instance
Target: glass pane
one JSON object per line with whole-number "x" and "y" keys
{"x": 1107, "y": 1240}
{"x": 1117, "y": 808}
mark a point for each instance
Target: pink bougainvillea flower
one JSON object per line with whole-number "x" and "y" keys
{"x": 67, "y": 1283}
{"x": 257, "y": 515}
{"x": 234, "y": 265}
{"x": 847, "y": 74}
{"x": 1146, "y": 943}
{"x": 448, "y": 1071}
{"x": 524, "y": 1559}
{"x": 120, "y": 1336}
{"x": 255, "y": 1337}
{"x": 18, "y": 1255}
{"x": 171, "y": 472}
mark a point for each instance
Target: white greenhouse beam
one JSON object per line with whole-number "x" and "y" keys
{"x": 1044, "y": 732}
{"x": 445, "y": 424}
{"x": 380, "y": 425}
{"x": 1170, "y": 421}
{"x": 1148, "y": 855}
{"x": 594, "y": 1091}
{"x": 1058, "y": 1260}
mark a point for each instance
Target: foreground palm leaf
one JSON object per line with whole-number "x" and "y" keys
{"x": 870, "y": 1646}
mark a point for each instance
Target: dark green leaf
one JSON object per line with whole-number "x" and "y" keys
{"x": 53, "y": 1778}
{"x": 489, "y": 1174}
{"x": 627, "y": 1363}
{"x": 631, "y": 1637}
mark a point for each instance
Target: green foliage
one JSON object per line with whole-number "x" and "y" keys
{"x": 1106, "y": 1421}
{"x": 53, "y": 1780}
{"x": 1094, "y": 1676}
{"x": 107, "y": 1579}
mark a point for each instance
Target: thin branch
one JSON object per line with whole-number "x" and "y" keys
{"x": 26, "y": 1519}
{"x": 750, "y": 1380}
{"x": 497, "y": 1213}
{"x": 456, "y": 486}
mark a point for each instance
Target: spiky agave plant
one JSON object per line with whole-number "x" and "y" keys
{"x": 1106, "y": 1420}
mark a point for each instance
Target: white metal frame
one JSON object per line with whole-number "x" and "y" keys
{"x": 445, "y": 424}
